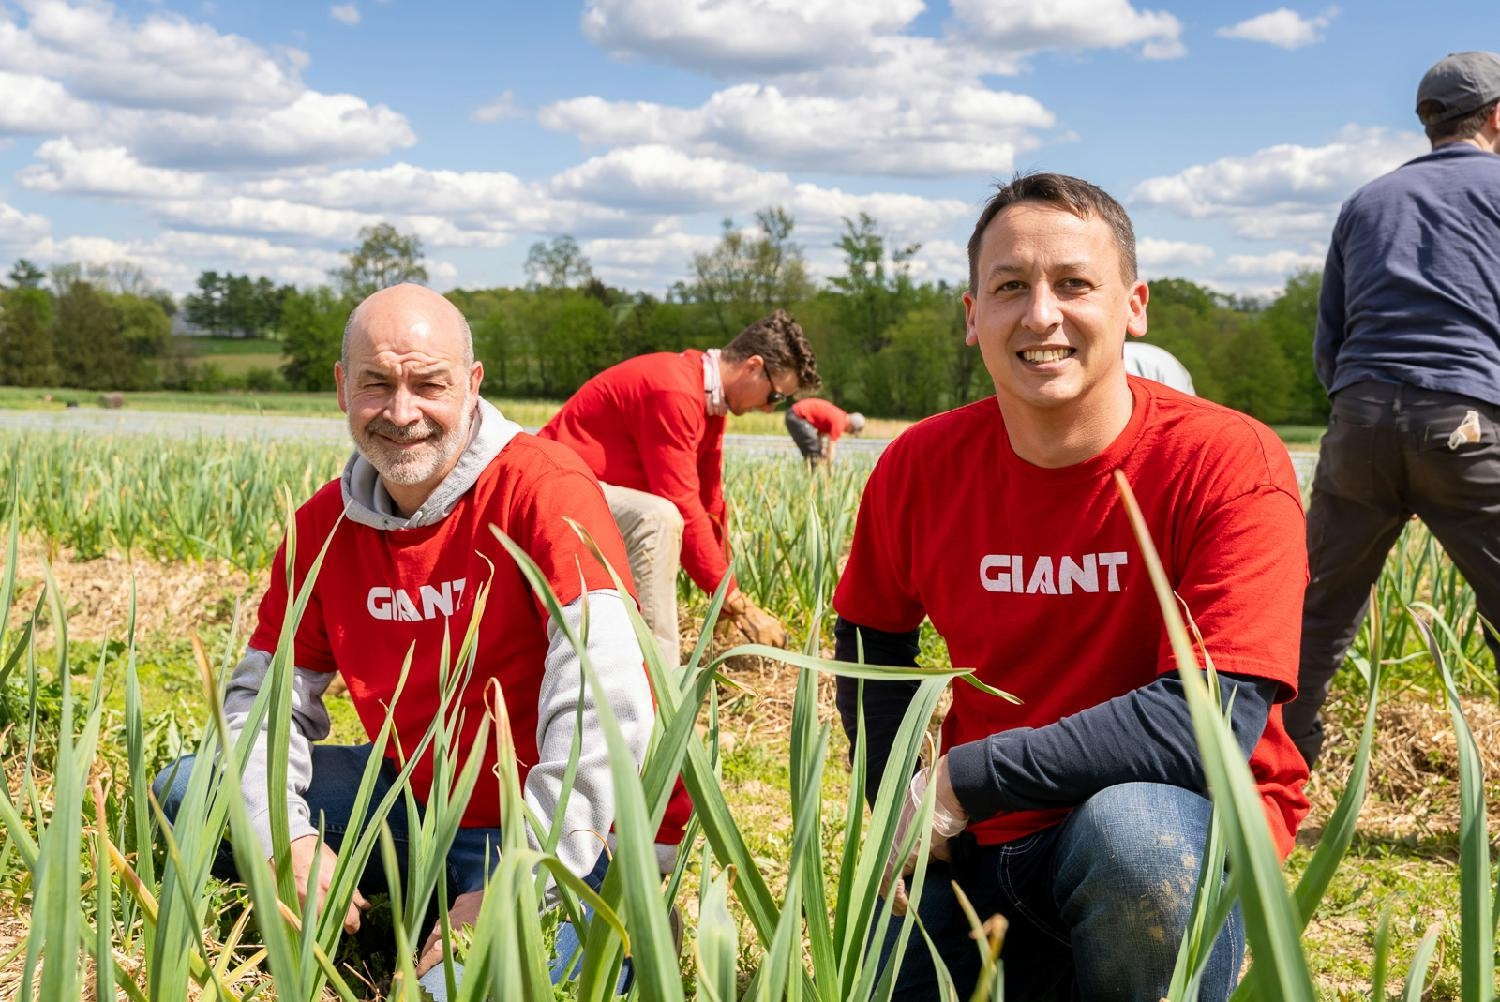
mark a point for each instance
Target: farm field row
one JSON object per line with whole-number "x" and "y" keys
{"x": 189, "y": 529}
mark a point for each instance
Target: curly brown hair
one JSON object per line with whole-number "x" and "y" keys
{"x": 779, "y": 340}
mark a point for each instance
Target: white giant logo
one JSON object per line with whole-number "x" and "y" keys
{"x": 1008, "y": 572}
{"x": 397, "y": 604}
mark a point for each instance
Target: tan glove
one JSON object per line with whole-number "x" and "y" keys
{"x": 758, "y": 625}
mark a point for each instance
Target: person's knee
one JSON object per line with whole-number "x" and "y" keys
{"x": 660, "y": 518}
{"x": 170, "y": 785}
{"x": 1137, "y": 848}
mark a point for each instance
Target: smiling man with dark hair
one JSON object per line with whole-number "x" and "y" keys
{"x": 1082, "y": 813}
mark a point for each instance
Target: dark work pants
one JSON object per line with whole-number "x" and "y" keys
{"x": 1385, "y": 458}
{"x": 805, "y": 435}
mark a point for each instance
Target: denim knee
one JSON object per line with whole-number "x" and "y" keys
{"x": 171, "y": 784}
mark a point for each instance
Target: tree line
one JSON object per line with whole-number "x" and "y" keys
{"x": 887, "y": 344}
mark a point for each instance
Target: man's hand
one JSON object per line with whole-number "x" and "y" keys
{"x": 758, "y": 625}
{"x": 465, "y": 911}
{"x": 305, "y": 853}
{"x": 948, "y": 819}
{"x": 761, "y": 627}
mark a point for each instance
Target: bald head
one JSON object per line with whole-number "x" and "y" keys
{"x": 413, "y": 310}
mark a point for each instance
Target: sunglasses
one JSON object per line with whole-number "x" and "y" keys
{"x": 775, "y": 397}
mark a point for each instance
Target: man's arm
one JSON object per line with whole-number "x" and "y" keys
{"x": 616, "y": 658}
{"x": 884, "y": 703}
{"x": 309, "y": 723}
{"x": 1329, "y": 334}
{"x": 1143, "y": 736}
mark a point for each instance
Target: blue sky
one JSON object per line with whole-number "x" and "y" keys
{"x": 260, "y": 137}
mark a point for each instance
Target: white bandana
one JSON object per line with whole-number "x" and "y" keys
{"x": 713, "y": 385}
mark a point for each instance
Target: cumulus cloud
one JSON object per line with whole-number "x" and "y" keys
{"x": 1282, "y": 27}
{"x": 313, "y": 129}
{"x": 109, "y": 171}
{"x": 35, "y": 104}
{"x": 1277, "y": 264}
{"x": 1028, "y": 26}
{"x": 955, "y": 130}
{"x": 19, "y": 229}
{"x": 662, "y": 179}
{"x": 743, "y": 37}
{"x": 1160, "y": 257}
{"x": 177, "y": 93}
{"x": 1282, "y": 191}
{"x": 500, "y": 108}
{"x": 99, "y": 55}
{"x": 344, "y": 13}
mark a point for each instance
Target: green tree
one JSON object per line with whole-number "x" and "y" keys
{"x": 145, "y": 330}
{"x": 745, "y": 276}
{"x": 1291, "y": 321}
{"x": 89, "y": 339}
{"x": 557, "y": 265}
{"x": 1254, "y": 376}
{"x": 385, "y": 256}
{"x": 25, "y": 275}
{"x": 312, "y": 328}
{"x": 26, "y": 335}
{"x": 206, "y": 306}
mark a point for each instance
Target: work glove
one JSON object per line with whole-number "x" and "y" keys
{"x": 758, "y": 625}
{"x": 948, "y": 820}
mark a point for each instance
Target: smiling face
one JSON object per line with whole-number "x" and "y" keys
{"x": 409, "y": 389}
{"x": 1050, "y": 312}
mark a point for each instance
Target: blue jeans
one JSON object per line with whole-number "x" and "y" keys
{"x": 1097, "y": 904}
{"x": 336, "y": 774}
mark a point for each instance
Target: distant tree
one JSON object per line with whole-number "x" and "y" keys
{"x": 1254, "y": 376}
{"x": 205, "y": 308}
{"x": 145, "y": 330}
{"x": 1291, "y": 321}
{"x": 385, "y": 256}
{"x": 557, "y": 265}
{"x": 25, "y": 275}
{"x": 88, "y": 339}
{"x": 312, "y": 329}
{"x": 26, "y": 357}
{"x": 746, "y": 276}
{"x": 874, "y": 296}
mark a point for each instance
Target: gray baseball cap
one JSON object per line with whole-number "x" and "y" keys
{"x": 1461, "y": 83}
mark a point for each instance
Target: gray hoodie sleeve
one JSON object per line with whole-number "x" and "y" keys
{"x": 616, "y": 658}
{"x": 309, "y": 724}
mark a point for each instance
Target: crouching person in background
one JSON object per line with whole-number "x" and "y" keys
{"x": 1081, "y": 814}
{"x": 410, "y": 550}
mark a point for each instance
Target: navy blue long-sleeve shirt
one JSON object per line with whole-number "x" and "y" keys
{"x": 1411, "y": 291}
{"x": 1142, "y": 736}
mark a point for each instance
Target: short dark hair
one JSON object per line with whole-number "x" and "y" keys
{"x": 779, "y": 340}
{"x": 1082, "y": 199}
{"x": 1462, "y": 127}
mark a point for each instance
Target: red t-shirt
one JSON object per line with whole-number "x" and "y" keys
{"x": 1034, "y": 578}
{"x": 822, "y": 415}
{"x": 643, "y": 424}
{"x": 382, "y": 593}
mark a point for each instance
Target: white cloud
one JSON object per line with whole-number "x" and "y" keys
{"x": 315, "y": 128}
{"x": 1282, "y": 27}
{"x": 743, "y": 37}
{"x": 1277, "y": 264}
{"x": 1160, "y": 257}
{"x": 662, "y": 179}
{"x": 344, "y": 13}
{"x": 35, "y": 104}
{"x": 955, "y": 130}
{"x": 19, "y": 229}
{"x": 1282, "y": 191}
{"x": 502, "y": 107}
{"x": 162, "y": 61}
{"x": 1029, "y": 26}
{"x": 108, "y": 171}
{"x": 653, "y": 261}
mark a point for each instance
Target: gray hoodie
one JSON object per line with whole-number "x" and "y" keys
{"x": 612, "y": 647}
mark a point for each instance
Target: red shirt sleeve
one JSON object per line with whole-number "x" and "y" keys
{"x": 668, "y": 441}
{"x": 542, "y": 530}
{"x": 311, "y": 648}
